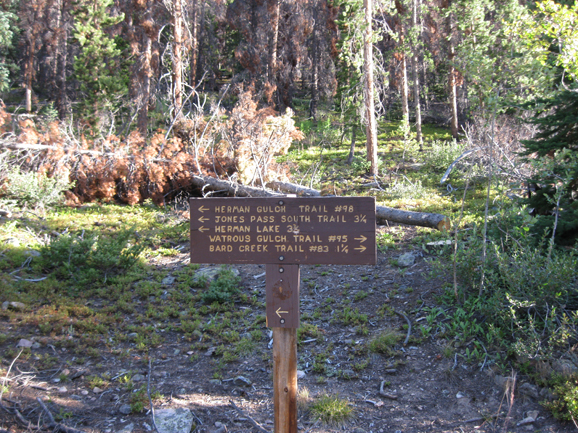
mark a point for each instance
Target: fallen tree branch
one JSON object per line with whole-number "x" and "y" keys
{"x": 150, "y": 399}
{"x": 251, "y": 420}
{"x": 385, "y": 394}
{"x": 292, "y": 188}
{"x": 408, "y": 326}
{"x": 56, "y": 426}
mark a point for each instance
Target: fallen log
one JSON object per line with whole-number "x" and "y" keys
{"x": 292, "y": 188}
{"x": 382, "y": 213}
{"x": 422, "y": 219}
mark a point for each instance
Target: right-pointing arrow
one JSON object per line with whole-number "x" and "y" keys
{"x": 361, "y": 239}
{"x": 361, "y": 248}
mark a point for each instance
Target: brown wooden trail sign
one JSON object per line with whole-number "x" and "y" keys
{"x": 283, "y": 233}
{"x": 329, "y": 230}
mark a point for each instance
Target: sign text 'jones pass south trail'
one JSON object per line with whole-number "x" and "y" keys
{"x": 328, "y": 230}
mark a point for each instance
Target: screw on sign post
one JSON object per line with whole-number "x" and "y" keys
{"x": 283, "y": 233}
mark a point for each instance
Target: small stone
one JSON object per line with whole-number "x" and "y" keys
{"x": 146, "y": 426}
{"x": 565, "y": 367}
{"x": 213, "y": 273}
{"x": 176, "y": 352}
{"x": 84, "y": 392}
{"x": 138, "y": 378}
{"x": 125, "y": 409}
{"x": 24, "y": 343}
{"x": 529, "y": 390}
{"x": 127, "y": 428}
{"x": 168, "y": 280}
{"x": 218, "y": 424}
{"x": 527, "y": 420}
{"x": 547, "y": 394}
{"x": 503, "y": 382}
{"x": 33, "y": 253}
{"x": 5, "y": 305}
{"x": 348, "y": 374}
{"x": 36, "y": 345}
{"x": 406, "y": 260}
{"x": 18, "y": 306}
{"x": 460, "y": 395}
{"x": 132, "y": 336}
{"x": 96, "y": 390}
{"x": 215, "y": 381}
{"x": 62, "y": 390}
{"x": 242, "y": 381}
{"x": 210, "y": 351}
{"x": 177, "y": 420}
{"x": 533, "y": 414}
{"x": 301, "y": 374}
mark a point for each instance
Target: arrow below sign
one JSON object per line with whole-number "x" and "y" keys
{"x": 360, "y": 248}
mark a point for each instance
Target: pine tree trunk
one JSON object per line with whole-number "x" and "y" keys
{"x": 194, "y": 43}
{"x": 177, "y": 58}
{"x": 404, "y": 84}
{"x": 274, "y": 41}
{"x": 315, "y": 70}
{"x": 452, "y": 79}
{"x": 62, "y": 60}
{"x": 145, "y": 91}
{"x": 416, "y": 80}
{"x": 352, "y": 145}
{"x": 369, "y": 103}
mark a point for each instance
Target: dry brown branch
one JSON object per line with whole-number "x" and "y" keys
{"x": 56, "y": 426}
{"x": 244, "y": 415}
{"x": 385, "y": 394}
{"x": 408, "y": 326}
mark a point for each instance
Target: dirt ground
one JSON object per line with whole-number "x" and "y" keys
{"x": 425, "y": 389}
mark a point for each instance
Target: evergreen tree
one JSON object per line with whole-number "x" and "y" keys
{"x": 98, "y": 68}
{"x": 556, "y": 181}
{"x": 7, "y": 33}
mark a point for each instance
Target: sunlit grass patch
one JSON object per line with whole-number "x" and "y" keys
{"x": 331, "y": 409}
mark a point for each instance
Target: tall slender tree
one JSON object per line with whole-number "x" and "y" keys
{"x": 371, "y": 126}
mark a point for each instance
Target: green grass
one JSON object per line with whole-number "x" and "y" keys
{"x": 331, "y": 409}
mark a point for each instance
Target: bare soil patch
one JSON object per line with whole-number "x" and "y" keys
{"x": 426, "y": 390}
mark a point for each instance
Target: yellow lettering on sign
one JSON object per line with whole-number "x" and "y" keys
{"x": 229, "y": 219}
{"x": 230, "y": 238}
{"x": 263, "y": 218}
{"x": 331, "y": 218}
{"x": 295, "y": 218}
{"x": 271, "y": 209}
{"x": 313, "y": 209}
{"x": 253, "y": 248}
{"x": 220, "y": 248}
{"x": 267, "y": 229}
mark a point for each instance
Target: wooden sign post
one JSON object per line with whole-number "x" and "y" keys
{"x": 283, "y": 233}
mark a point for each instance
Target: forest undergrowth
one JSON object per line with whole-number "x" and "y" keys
{"x": 510, "y": 290}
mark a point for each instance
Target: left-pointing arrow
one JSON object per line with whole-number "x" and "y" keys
{"x": 279, "y": 312}
{"x": 204, "y": 229}
{"x": 203, "y": 219}
{"x": 203, "y": 208}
